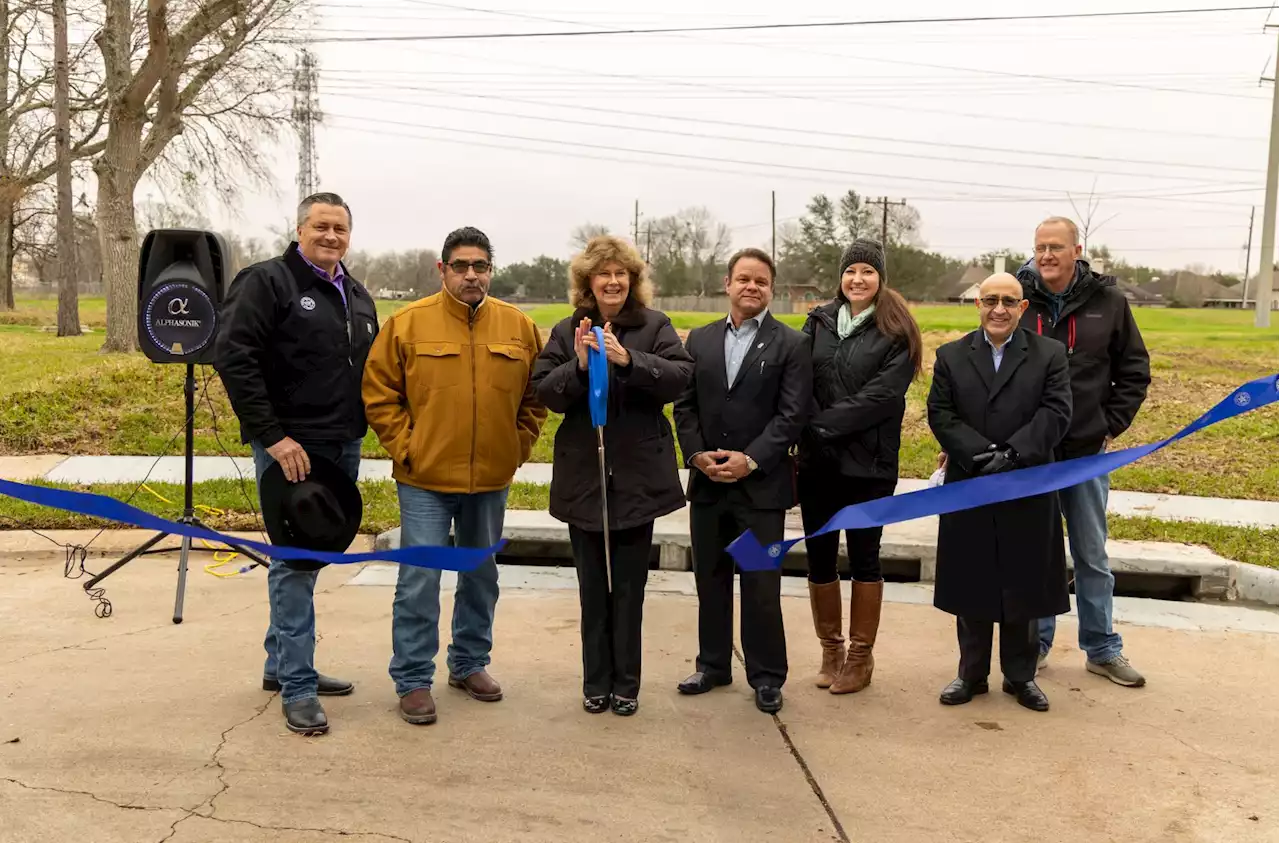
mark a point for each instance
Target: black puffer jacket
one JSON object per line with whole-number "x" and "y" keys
{"x": 859, "y": 397}
{"x": 1110, "y": 368}
{"x": 640, "y": 453}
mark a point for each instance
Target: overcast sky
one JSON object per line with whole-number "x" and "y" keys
{"x": 528, "y": 137}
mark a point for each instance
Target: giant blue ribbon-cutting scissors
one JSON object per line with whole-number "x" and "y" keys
{"x": 745, "y": 549}
{"x": 996, "y": 488}
{"x": 598, "y": 403}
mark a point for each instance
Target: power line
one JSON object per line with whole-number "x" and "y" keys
{"x": 756, "y": 27}
{"x": 798, "y": 168}
{"x": 801, "y": 145}
{"x": 833, "y": 134}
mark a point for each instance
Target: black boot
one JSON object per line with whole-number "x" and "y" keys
{"x": 306, "y": 717}
{"x": 1028, "y": 693}
{"x": 326, "y": 686}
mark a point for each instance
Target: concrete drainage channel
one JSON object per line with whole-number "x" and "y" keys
{"x": 908, "y": 551}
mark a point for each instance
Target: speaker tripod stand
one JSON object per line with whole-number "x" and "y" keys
{"x": 188, "y": 514}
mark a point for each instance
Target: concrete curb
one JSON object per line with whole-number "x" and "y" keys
{"x": 908, "y": 551}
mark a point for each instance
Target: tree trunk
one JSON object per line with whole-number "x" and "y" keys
{"x": 68, "y": 301}
{"x": 118, "y": 233}
{"x": 6, "y": 254}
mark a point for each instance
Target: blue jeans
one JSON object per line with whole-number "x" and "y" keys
{"x": 425, "y": 518}
{"x": 291, "y": 634}
{"x": 1085, "y": 509}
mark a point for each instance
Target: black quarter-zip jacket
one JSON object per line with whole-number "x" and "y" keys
{"x": 291, "y": 355}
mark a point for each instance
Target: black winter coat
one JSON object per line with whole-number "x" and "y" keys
{"x": 1110, "y": 368}
{"x": 291, "y": 356}
{"x": 640, "y": 454}
{"x": 1004, "y": 561}
{"x": 859, "y": 397}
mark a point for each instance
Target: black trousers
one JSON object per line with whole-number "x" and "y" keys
{"x": 712, "y": 527}
{"x": 611, "y": 622}
{"x": 822, "y": 495}
{"x": 1019, "y": 649}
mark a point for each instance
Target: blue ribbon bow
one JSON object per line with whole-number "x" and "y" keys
{"x": 996, "y": 488}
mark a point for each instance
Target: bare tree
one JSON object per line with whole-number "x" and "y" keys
{"x": 582, "y": 234}
{"x": 27, "y": 129}
{"x": 205, "y": 77}
{"x": 1087, "y": 225}
{"x": 68, "y": 302}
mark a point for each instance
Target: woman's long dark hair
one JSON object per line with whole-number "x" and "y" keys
{"x": 894, "y": 320}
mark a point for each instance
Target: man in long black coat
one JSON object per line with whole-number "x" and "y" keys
{"x": 737, "y": 420}
{"x": 1001, "y": 400}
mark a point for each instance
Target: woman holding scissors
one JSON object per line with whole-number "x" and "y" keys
{"x": 648, "y": 368}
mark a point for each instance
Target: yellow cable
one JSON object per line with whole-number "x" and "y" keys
{"x": 220, "y": 557}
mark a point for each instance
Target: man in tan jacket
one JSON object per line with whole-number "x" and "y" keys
{"x": 447, "y": 390}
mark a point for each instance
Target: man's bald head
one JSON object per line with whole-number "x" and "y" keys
{"x": 1000, "y": 306}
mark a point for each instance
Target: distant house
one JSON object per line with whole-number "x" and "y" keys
{"x": 962, "y": 285}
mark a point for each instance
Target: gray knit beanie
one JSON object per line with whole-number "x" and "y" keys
{"x": 864, "y": 251}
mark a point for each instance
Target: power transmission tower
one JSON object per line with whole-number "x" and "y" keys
{"x": 306, "y": 114}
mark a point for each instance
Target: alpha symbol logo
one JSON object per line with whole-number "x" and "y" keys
{"x": 307, "y": 303}
{"x": 178, "y": 307}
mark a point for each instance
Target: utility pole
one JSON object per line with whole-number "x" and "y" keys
{"x": 68, "y": 301}
{"x": 773, "y": 222}
{"x": 1248, "y": 255}
{"x": 648, "y": 240}
{"x": 306, "y": 114}
{"x": 884, "y": 204}
{"x": 635, "y": 224}
{"x": 1266, "y": 271}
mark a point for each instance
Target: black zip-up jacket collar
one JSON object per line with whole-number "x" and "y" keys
{"x": 1110, "y": 367}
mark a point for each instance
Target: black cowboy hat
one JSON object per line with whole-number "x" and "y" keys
{"x": 321, "y": 512}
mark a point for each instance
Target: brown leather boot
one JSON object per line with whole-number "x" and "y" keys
{"x": 825, "y": 601}
{"x": 417, "y": 707}
{"x": 864, "y": 621}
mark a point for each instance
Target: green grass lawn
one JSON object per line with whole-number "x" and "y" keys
{"x": 62, "y": 396}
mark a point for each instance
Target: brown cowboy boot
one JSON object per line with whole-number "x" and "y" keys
{"x": 864, "y": 621}
{"x": 824, "y": 600}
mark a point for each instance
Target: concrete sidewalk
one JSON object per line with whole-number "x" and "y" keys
{"x": 132, "y": 469}
{"x": 133, "y": 729}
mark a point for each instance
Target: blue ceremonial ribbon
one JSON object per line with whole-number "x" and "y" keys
{"x": 100, "y": 506}
{"x": 598, "y": 381}
{"x": 997, "y": 488}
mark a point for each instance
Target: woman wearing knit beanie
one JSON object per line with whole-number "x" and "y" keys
{"x": 866, "y": 351}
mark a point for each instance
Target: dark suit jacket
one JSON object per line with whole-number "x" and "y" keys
{"x": 1004, "y": 561}
{"x": 761, "y": 413}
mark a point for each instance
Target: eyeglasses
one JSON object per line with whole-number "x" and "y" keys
{"x": 460, "y": 266}
{"x": 1051, "y": 248}
{"x": 1009, "y": 302}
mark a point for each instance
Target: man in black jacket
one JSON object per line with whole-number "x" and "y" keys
{"x": 1110, "y": 372}
{"x": 737, "y": 420}
{"x": 295, "y": 333}
{"x": 1000, "y": 400}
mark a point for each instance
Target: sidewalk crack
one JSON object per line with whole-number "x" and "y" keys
{"x": 841, "y": 835}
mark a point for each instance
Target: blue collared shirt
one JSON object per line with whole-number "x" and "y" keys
{"x": 339, "y": 275}
{"x": 997, "y": 352}
{"x": 737, "y": 342}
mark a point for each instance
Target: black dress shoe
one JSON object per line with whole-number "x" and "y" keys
{"x": 768, "y": 699}
{"x": 595, "y": 705}
{"x": 960, "y": 692}
{"x": 326, "y": 686}
{"x": 306, "y": 717}
{"x": 700, "y": 683}
{"x": 1028, "y": 693}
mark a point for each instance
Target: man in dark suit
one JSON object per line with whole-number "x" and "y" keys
{"x": 737, "y": 420}
{"x": 1000, "y": 400}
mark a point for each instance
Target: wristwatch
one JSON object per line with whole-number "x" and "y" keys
{"x": 751, "y": 464}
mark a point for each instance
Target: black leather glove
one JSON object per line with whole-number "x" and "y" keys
{"x": 995, "y": 459}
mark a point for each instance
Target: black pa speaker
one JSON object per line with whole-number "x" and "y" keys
{"x": 182, "y": 278}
